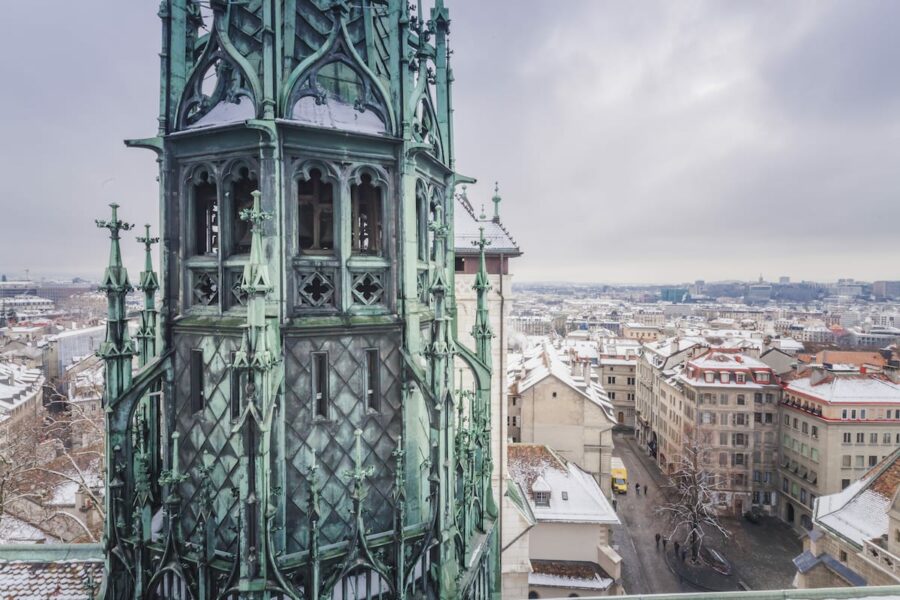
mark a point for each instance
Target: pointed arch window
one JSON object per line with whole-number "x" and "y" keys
{"x": 241, "y": 197}
{"x": 366, "y": 200}
{"x": 422, "y": 211}
{"x": 315, "y": 210}
{"x": 206, "y": 215}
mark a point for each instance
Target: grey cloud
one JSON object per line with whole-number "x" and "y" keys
{"x": 633, "y": 141}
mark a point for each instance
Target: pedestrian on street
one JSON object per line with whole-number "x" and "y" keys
{"x": 645, "y": 489}
{"x": 657, "y": 541}
{"x": 676, "y": 547}
{"x": 683, "y": 554}
{"x": 637, "y": 487}
{"x": 665, "y": 541}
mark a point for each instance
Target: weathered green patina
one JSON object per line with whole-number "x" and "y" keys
{"x": 293, "y": 429}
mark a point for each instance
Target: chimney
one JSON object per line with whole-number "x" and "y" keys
{"x": 817, "y": 375}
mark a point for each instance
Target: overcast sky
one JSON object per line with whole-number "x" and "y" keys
{"x": 633, "y": 141}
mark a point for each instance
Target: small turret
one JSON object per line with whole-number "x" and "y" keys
{"x": 497, "y": 200}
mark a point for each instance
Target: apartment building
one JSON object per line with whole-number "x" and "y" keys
{"x": 658, "y": 363}
{"x": 641, "y": 332}
{"x": 548, "y": 404}
{"x": 570, "y": 542}
{"x": 837, "y": 421}
{"x": 730, "y": 408}
{"x": 856, "y": 536}
{"x": 618, "y": 378}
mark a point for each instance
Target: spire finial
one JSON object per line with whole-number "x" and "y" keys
{"x": 148, "y": 243}
{"x": 497, "y": 199}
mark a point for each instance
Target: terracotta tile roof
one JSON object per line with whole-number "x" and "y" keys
{"x": 62, "y": 580}
{"x": 844, "y": 357}
{"x": 568, "y": 574}
{"x": 576, "y": 569}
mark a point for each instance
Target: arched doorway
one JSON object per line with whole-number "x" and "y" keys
{"x": 789, "y": 513}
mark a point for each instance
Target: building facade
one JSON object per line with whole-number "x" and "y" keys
{"x": 296, "y": 417}
{"x": 836, "y": 423}
{"x": 550, "y": 406}
{"x": 730, "y": 409}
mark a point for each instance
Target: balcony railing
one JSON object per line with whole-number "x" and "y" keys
{"x": 881, "y": 558}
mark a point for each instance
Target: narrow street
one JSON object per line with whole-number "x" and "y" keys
{"x": 763, "y": 563}
{"x": 643, "y": 568}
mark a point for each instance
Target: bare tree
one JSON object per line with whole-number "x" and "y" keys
{"x": 692, "y": 510}
{"x": 18, "y": 458}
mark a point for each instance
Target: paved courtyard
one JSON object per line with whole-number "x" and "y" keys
{"x": 761, "y": 554}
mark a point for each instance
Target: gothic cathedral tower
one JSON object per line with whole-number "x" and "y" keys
{"x": 286, "y": 425}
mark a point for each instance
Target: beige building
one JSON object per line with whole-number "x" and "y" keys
{"x": 837, "y": 422}
{"x": 569, "y": 413}
{"x": 570, "y": 544}
{"x": 468, "y": 230}
{"x": 656, "y": 393}
{"x": 856, "y": 536}
{"x": 730, "y": 405}
{"x": 617, "y": 376}
{"x": 21, "y": 399}
{"x": 641, "y": 332}
{"x": 515, "y": 541}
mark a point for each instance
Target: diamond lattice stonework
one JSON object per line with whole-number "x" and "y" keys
{"x": 368, "y": 289}
{"x": 206, "y": 288}
{"x": 316, "y": 290}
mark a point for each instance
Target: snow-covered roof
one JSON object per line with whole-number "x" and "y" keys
{"x": 575, "y": 574}
{"x": 859, "y": 512}
{"x": 543, "y": 362}
{"x": 467, "y": 226}
{"x": 724, "y": 361}
{"x": 16, "y": 531}
{"x": 60, "y": 580}
{"x": 865, "y": 388}
{"x": 18, "y": 384}
{"x": 575, "y": 496}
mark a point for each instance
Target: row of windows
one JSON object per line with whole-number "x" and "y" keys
{"x": 612, "y": 380}
{"x": 801, "y": 448}
{"x": 319, "y": 392}
{"x": 317, "y": 229}
{"x": 740, "y": 399}
{"x": 803, "y": 427}
{"x": 740, "y": 377}
{"x": 860, "y": 437}
{"x": 799, "y": 492}
{"x": 710, "y": 418}
{"x": 859, "y": 461}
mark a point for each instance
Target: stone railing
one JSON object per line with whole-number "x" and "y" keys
{"x": 881, "y": 558}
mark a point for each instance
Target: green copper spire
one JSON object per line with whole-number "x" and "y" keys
{"x": 295, "y": 430}
{"x": 149, "y": 284}
{"x": 482, "y": 330}
{"x": 117, "y": 350}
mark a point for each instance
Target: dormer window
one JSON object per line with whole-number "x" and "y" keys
{"x": 763, "y": 377}
{"x": 541, "y": 498}
{"x": 741, "y": 378}
{"x": 710, "y": 377}
{"x": 725, "y": 376}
